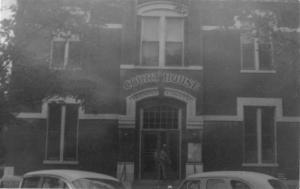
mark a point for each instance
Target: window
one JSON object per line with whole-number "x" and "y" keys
{"x": 162, "y": 41}
{"x": 66, "y": 52}
{"x": 62, "y": 132}
{"x": 160, "y": 117}
{"x": 51, "y": 182}
{"x": 235, "y": 184}
{"x": 216, "y": 184}
{"x": 192, "y": 184}
{"x": 32, "y": 182}
{"x": 259, "y": 135}
{"x": 256, "y": 54}
{"x": 276, "y": 184}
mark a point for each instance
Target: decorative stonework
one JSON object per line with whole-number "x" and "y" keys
{"x": 173, "y": 8}
{"x": 193, "y": 121}
{"x": 162, "y": 77}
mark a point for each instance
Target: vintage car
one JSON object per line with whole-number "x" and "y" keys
{"x": 10, "y": 181}
{"x": 231, "y": 180}
{"x": 69, "y": 179}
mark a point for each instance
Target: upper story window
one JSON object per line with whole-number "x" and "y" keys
{"x": 256, "y": 54}
{"x": 65, "y": 52}
{"x": 162, "y": 35}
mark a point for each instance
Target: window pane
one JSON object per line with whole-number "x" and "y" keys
{"x": 74, "y": 54}
{"x": 248, "y": 62}
{"x": 194, "y": 185}
{"x": 58, "y": 53}
{"x": 160, "y": 117}
{"x": 250, "y": 135}
{"x": 31, "y": 182}
{"x": 276, "y": 184}
{"x": 173, "y": 53}
{"x": 50, "y": 182}
{"x": 216, "y": 184}
{"x": 54, "y": 128}
{"x": 235, "y": 184}
{"x": 150, "y": 53}
{"x": 174, "y": 29}
{"x": 150, "y": 29}
{"x": 250, "y": 120}
{"x": 70, "y": 148}
{"x": 268, "y": 154}
{"x": 265, "y": 56}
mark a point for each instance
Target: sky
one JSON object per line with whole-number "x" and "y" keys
{"x": 4, "y": 8}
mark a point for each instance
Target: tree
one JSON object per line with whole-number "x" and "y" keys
{"x": 266, "y": 22}
{"x": 6, "y": 49}
{"x": 31, "y": 80}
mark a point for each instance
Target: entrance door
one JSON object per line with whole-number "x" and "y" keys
{"x": 159, "y": 126}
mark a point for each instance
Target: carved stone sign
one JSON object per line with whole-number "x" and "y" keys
{"x": 161, "y": 77}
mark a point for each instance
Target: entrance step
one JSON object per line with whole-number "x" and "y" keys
{"x": 155, "y": 184}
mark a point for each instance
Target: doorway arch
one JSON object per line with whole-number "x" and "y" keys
{"x": 160, "y": 121}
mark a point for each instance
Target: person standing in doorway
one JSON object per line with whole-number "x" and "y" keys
{"x": 162, "y": 160}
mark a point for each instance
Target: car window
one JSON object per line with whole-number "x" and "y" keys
{"x": 276, "y": 184}
{"x": 235, "y": 184}
{"x": 216, "y": 184}
{"x": 31, "y": 182}
{"x": 91, "y": 184}
{"x": 10, "y": 182}
{"x": 51, "y": 182}
{"x": 191, "y": 184}
{"x": 114, "y": 184}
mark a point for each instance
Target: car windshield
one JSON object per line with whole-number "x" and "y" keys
{"x": 97, "y": 184}
{"x": 276, "y": 184}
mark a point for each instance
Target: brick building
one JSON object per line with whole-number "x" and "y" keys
{"x": 181, "y": 73}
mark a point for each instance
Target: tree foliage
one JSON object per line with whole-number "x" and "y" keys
{"x": 32, "y": 80}
{"x": 265, "y": 23}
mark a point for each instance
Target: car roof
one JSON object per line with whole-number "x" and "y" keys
{"x": 71, "y": 175}
{"x": 258, "y": 179}
{"x": 239, "y": 174}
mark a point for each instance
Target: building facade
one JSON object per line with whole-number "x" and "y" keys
{"x": 180, "y": 73}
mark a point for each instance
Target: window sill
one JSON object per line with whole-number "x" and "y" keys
{"x": 260, "y": 165}
{"x": 66, "y": 69}
{"x": 60, "y": 162}
{"x": 258, "y": 71}
{"x": 130, "y": 66}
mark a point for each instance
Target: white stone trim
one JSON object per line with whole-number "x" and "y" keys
{"x": 258, "y": 71}
{"x": 253, "y": 101}
{"x": 238, "y": 27}
{"x": 260, "y": 165}
{"x": 81, "y": 113}
{"x": 30, "y": 115}
{"x": 113, "y": 26}
{"x": 84, "y": 116}
{"x": 131, "y": 66}
{"x": 282, "y": 1}
{"x": 193, "y": 121}
{"x": 60, "y": 162}
{"x": 220, "y": 118}
{"x": 128, "y": 120}
{"x": 155, "y": 8}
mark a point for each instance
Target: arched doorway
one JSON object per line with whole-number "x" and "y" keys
{"x": 160, "y": 122}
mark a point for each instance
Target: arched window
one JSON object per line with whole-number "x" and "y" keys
{"x": 162, "y": 34}
{"x": 160, "y": 117}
